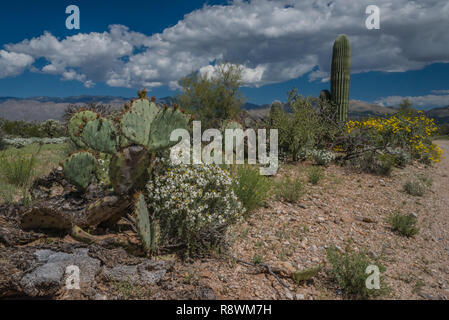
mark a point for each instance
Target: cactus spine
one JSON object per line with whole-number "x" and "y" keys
{"x": 340, "y": 76}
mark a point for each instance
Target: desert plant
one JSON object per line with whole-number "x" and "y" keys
{"x": 250, "y": 187}
{"x": 340, "y": 75}
{"x": 101, "y": 109}
{"x": 404, "y": 224}
{"x": 290, "y": 189}
{"x": 2, "y": 142}
{"x": 193, "y": 204}
{"x": 131, "y": 141}
{"x": 322, "y": 157}
{"x": 415, "y": 187}
{"x": 315, "y": 174}
{"x": 18, "y": 171}
{"x": 349, "y": 271}
{"x": 213, "y": 98}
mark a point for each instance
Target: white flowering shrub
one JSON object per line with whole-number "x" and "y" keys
{"x": 322, "y": 157}
{"x": 18, "y": 142}
{"x": 194, "y": 204}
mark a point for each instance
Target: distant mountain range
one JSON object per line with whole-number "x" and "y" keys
{"x": 43, "y": 108}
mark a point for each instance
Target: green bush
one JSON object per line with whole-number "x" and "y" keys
{"x": 18, "y": 170}
{"x": 315, "y": 174}
{"x": 213, "y": 99}
{"x": 250, "y": 187}
{"x": 404, "y": 224}
{"x": 305, "y": 128}
{"x": 415, "y": 188}
{"x": 373, "y": 162}
{"x": 2, "y": 142}
{"x": 45, "y": 129}
{"x": 349, "y": 271}
{"x": 290, "y": 189}
{"x": 322, "y": 157}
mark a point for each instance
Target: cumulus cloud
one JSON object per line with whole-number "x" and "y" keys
{"x": 274, "y": 41}
{"x": 418, "y": 101}
{"x": 440, "y": 91}
{"x": 12, "y": 64}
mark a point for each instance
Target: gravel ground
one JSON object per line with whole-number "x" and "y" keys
{"x": 346, "y": 208}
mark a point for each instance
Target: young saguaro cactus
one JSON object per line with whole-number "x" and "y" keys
{"x": 340, "y": 76}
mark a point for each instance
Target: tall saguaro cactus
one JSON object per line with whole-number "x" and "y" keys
{"x": 340, "y": 76}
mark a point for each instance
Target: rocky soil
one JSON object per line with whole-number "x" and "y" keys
{"x": 346, "y": 209}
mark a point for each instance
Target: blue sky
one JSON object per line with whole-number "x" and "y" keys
{"x": 281, "y": 44}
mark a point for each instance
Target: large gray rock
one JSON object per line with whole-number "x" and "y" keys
{"x": 147, "y": 273}
{"x": 50, "y": 275}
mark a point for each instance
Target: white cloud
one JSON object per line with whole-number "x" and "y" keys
{"x": 274, "y": 41}
{"x": 12, "y": 64}
{"x": 440, "y": 91}
{"x": 418, "y": 101}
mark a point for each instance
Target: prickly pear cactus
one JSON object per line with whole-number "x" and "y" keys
{"x": 100, "y": 135}
{"x": 77, "y": 124}
{"x": 165, "y": 122}
{"x": 127, "y": 143}
{"x": 128, "y": 168}
{"x": 136, "y": 121}
{"x": 143, "y": 221}
{"x": 45, "y": 219}
{"x": 79, "y": 169}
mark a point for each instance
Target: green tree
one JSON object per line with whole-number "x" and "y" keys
{"x": 405, "y": 107}
{"x": 214, "y": 98}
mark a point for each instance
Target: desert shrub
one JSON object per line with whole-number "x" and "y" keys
{"x": 315, "y": 174}
{"x": 2, "y": 141}
{"x": 426, "y": 180}
{"x": 412, "y": 132}
{"x": 193, "y": 204}
{"x": 18, "y": 169}
{"x": 373, "y": 161}
{"x": 213, "y": 98}
{"x": 322, "y": 157}
{"x": 401, "y": 157}
{"x": 22, "y": 142}
{"x": 305, "y": 128}
{"x": 404, "y": 224}
{"x": 415, "y": 187}
{"x": 348, "y": 270}
{"x": 250, "y": 187}
{"x": 46, "y": 129}
{"x": 52, "y": 129}
{"x": 291, "y": 189}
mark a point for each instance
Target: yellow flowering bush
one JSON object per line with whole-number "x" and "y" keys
{"x": 411, "y": 132}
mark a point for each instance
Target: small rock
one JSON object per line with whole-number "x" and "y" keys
{"x": 302, "y": 206}
{"x": 372, "y": 255}
{"x": 49, "y": 276}
{"x": 148, "y": 272}
{"x": 300, "y": 296}
{"x": 321, "y": 219}
{"x": 382, "y": 183}
{"x": 289, "y": 295}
